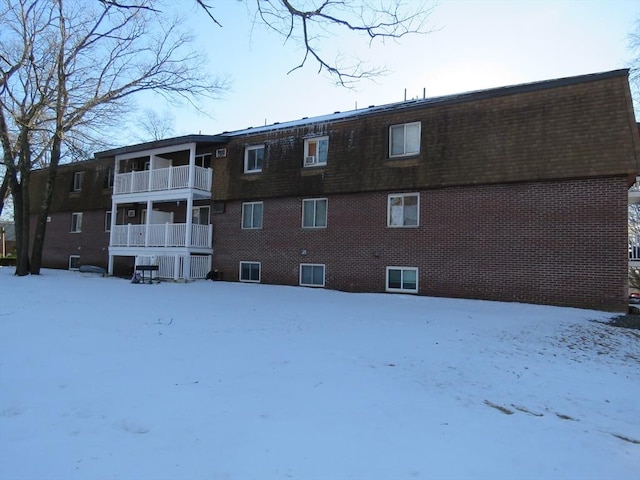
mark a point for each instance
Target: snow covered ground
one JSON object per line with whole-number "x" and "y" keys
{"x": 104, "y": 379}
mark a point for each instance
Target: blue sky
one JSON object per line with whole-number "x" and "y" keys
{"x": 474, "y": 45}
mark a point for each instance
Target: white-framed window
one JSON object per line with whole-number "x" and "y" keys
{"x": 311, "y": 275}
{"x": 250, "y": 272}
{"x": 107, "y": 221}
{"x": 402, "y": 279}
{"x": 252, "y": 215}
{"x": 253, "y": 157}
{"x": 200, "y": 215}
{"x": 74, "y": 262}
{"x": 77, "y": 181}
{"x": 314, "y": 213}
{"x": 203, "y": 160}
{"x": 76, "y": 222}
{"x": 403, "y": 210}
{"x": 404, "y": 139}
{"x": 315, "y": 151}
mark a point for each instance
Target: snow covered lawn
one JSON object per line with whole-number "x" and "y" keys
{"x": 103, "y": 379}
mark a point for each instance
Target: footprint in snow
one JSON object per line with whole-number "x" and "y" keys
{"x": 133, "y": 427}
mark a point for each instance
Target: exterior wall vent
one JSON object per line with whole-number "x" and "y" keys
{"x": 131, "y": 213}
{"x": 221, "y": 152}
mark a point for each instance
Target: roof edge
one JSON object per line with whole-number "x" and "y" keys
{"x": 436, "y": 101}
{"x": 166, "y": 142}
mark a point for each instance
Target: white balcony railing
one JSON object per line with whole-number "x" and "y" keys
{"x": 161, "y": 235}
{"x": 634, "y": 247}
{"x": 162, "y": 179}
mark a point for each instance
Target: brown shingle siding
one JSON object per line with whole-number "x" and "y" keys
{"x": 92, "y": 195}
{"x": 573, "y": 131}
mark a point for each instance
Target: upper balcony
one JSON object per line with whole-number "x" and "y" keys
{"x": 164, "y": 179}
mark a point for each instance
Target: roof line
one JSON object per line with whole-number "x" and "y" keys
{"x": 435, "y": 101}
{"x": 166, "y": 142}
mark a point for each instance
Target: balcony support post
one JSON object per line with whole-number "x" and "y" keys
{"x": 192, "y": 164}
{"x": 147, "y": 222}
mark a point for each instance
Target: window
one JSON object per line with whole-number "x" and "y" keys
{"x": 404, "y": 139}
{"x": 402, "y": 279}
{"x": 76, "y": 222}
{"x": 203, "y": 160}
{"x": 403, "y": 210}
{"x": 311, "y": 275}
{"x": 250, "y": 272}
{"x": 252, "y": 215}
{"x": 74, "y": 262}
{"x": 314, "y": 213}
{"x": 315, "y": 151}
{"x": 253, "y": 157}
{"x": 200, "y": 216}
{"x": 107, "y": 181}
{"x": 77, "y": 181}
{"x": 107, "y": 221}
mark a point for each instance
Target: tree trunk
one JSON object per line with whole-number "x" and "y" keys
{"x": 41, "y": 225}
{"x": 21, "y": 204}
{"x": 21, "y": 228}
{"x": 4, "y": 190}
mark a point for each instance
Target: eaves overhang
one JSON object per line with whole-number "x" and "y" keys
{"x": 167, "y": 142}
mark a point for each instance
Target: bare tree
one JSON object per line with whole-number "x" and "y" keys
{"x": 67, "y": 68}
{"x": 154, "y": 125}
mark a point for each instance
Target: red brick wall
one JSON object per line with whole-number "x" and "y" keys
{"x": 92, "y": 244}
{"x": 562, "y": 243}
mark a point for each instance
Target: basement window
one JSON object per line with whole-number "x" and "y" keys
{"x": 250, "y": 272}
{"x": 402, "y": 279}
{"x": 311, "y": 275}
{"x": 74, "y": 262}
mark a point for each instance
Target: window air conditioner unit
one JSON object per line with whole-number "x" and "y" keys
{"x": 310, "y": 160}
{"x": 131, "y": 213}
{"x": 221, "y": 152}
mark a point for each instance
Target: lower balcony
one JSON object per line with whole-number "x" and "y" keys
{"x": 162, "y": 235}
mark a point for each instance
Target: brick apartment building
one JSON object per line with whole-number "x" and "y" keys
{"x": 516, "y": 194}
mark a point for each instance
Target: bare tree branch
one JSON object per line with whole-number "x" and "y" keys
{"x": 207, "y": 9}
{"x": 307, "y": 26}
